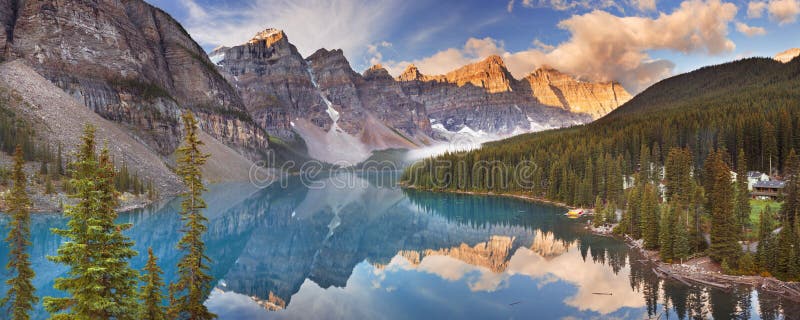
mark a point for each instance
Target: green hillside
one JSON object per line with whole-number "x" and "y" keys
{"x": 665, "y": 158}
{"x": 751, "y": 104}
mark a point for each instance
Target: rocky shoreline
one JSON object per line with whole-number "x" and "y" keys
{"x": 54, "y": 203}
{"x": 701, "y": 270}
{"x": 698, "y": 270}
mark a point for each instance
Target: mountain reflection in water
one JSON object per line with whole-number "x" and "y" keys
{"x": 371, "y": 250}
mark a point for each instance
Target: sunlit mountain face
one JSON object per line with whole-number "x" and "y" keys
{"x": 359, "y": 247}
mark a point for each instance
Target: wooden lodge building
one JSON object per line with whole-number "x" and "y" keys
{"x": 768, "y": 189}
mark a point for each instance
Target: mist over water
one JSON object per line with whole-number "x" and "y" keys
{"x": 370, "y": 250}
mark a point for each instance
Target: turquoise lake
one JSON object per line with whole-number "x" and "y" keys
{"x": 368, "y": 249}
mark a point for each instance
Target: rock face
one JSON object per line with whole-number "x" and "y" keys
{"x": 59, "y": 120}
{"x": 333, "y": 108}
{"x": 131, "y": 63}
{"x": 553, "y": 88}
{"x": 134, "y": 64}
{"x": 274, "y": 82}
{"x": 788, "y": 55}
{"x": 484, "y": 97}
{"x": 321, "y": 99}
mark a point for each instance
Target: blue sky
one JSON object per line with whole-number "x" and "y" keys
{"x": 636, "y": 42}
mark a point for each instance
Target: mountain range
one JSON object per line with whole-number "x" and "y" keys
{"x": 343, "y": 115}
{"x": 135, "y": 65}
{"x": 138, "y": 68}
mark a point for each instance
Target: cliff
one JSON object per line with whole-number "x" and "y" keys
{"x": 553, "y": 88}
{"x": 338, "y": 113}
{"x": 131, "y": 63}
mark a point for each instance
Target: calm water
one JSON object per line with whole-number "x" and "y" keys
{"x": 373, "y": 251}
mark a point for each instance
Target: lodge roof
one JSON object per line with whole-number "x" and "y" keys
{"x": 773, "y": 184}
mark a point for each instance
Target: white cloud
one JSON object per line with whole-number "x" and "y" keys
{"x": 604, "y": 47}
{"x": 784, "y": 11}
{"x": 525, "y": 262}
{"x": 538, "y": 44}
{"x": 452, "y": 58}
{"x": 781, "y": 11}
{"x": 510, "y": 6}
{"x": 309, "y": 24}
{"x": 749, "y": 30}
{"x": 644, "y": 5}
{"x": 562, "y": 5}
{"x": 373, "y": 50}
{"x": 755, "y": 9}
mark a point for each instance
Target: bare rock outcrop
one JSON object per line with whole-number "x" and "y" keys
{"x": 131, "y": 63}
{"x": 274, "y": 82}
{"x": 59, "y": 119}
{"x": 788, "y": 55}
{"x": 553, "y": 88}
{"x": 321, "y": 98}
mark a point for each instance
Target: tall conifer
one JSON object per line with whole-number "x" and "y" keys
{"x": 724, "y": 233}
{"x": 100, "y": 283}
{"x": 20, "y": 296}
{"x": 152, "y": 307}
{"x": 742, "y": 194}
{"x": 194, "y": 283}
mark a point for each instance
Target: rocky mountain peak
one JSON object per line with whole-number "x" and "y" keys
{"x": 548, "y": 74}
{"x": 490, "y": 74}
{"x": 377, "y": 72}
{"x": 269, "y": 36}
{"x": 788, "y": 55}
{"x": 410, "y": 74}
{"x": 555, "y": 88}
{"x": 494, "y": 60}
{"x": 325, "y": 54}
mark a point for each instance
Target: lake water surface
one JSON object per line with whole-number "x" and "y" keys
{"x": 370, "y": 250}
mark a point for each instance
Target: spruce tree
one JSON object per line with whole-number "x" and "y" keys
{"x": 100, "y": 283}
{"x": 194, "y": 283}
{"x": 742, "y": 194}
{"x": 650, "y": 216}
{"x": 644, "y": 164}
{"x": 610, "y": 212}
{"x": 680, "y": 245}
{"x": 724, "y": 232}
{"x": 666, "y": 235}
{"x": 765, "y": 224}
{"x": 598, "y": 218}
{"x": 20, "y": 296}
{"x": 60, "y": 161}
{"x": 152, "y": 298}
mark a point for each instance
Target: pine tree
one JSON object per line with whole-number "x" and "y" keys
{"x": 787, "y": 244}
{"x": 666, "y": 235}
{"x": 100, "y": 283}
{"x": 724, "y": 232}
{"x": 765, "y": 224}
{"x": 770, "y": 147}
{"x": 791, "y": 206}
{"x": 644, "y": 164}
{"x": 20, "y": 296}
{"x": 194, "y": 283}
{"x": 680, "y": 245}
{"x": 60, "y": 161}
{"x": 650, "y": 214}
{"x": 152, "y": 307}
{"x": 610, "y": 212}
{"x": 742, "y": 194}
{"x": 49, "y": 188}
{"x": 598, "y": 218}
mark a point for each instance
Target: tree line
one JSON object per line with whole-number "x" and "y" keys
{"x": 668, "y": 168}
{"x": 53, "y": 172}
{"x": 100, "y": 283}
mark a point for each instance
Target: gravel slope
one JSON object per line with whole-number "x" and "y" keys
{"x": 59, "y": 118}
